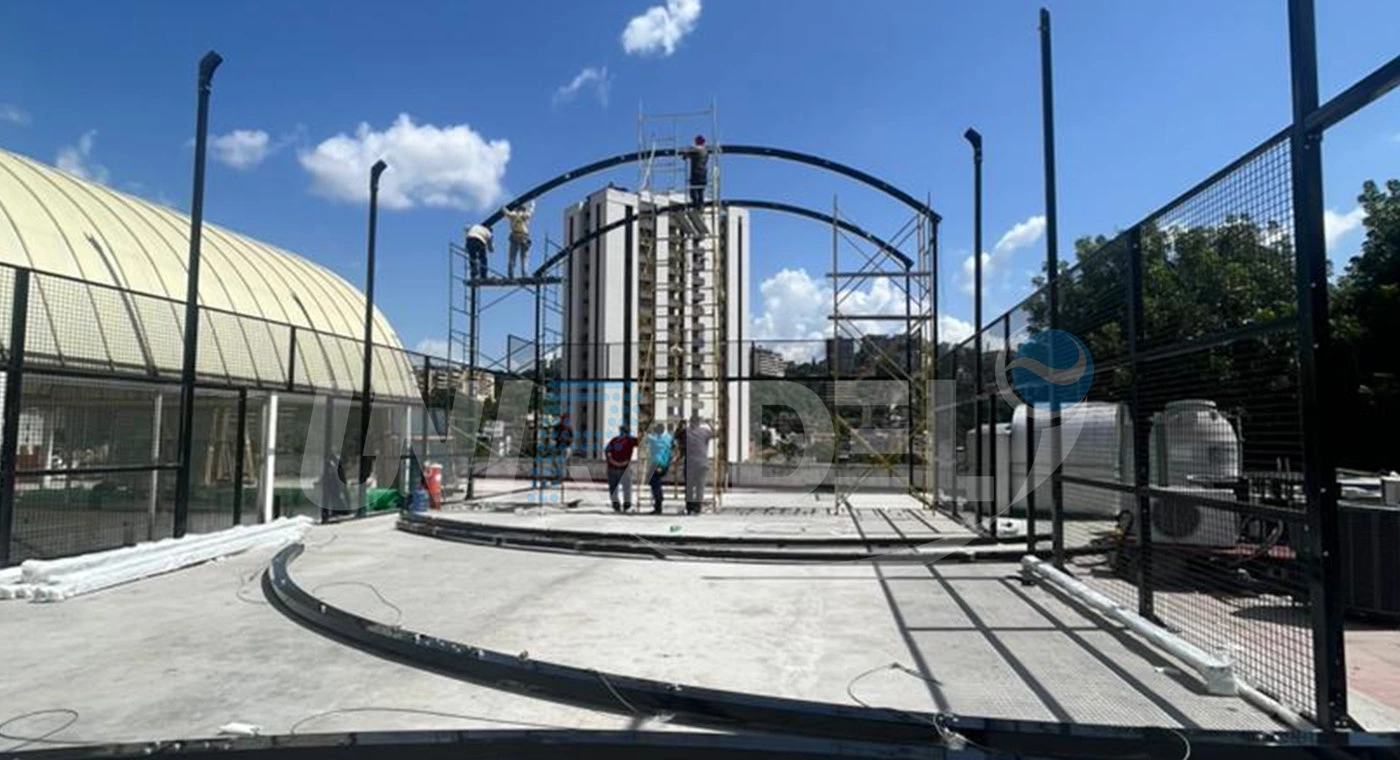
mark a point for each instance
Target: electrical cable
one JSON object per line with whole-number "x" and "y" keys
{"x": 951, "y": 739}
{"x": 45, "y": 738}
{"x": 397, "y": 610}
{"x": 608, "y": 684}
{"x": 416, "y": 711}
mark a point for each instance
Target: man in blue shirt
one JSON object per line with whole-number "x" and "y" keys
{"x": 658, "y": 461}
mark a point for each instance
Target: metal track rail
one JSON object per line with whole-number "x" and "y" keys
{"x": 803, "y": 720}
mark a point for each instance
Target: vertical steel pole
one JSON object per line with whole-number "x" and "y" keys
{"x": 240, "y": 450}
{"x": 1141, "y": 424}
{"x": 474, "y": 416}
{"x": 1314, "y": 351}
{"x": 909, "y": 384}
{"x": 978, "y": 477}
{"x": 326, "y": 470}
{"x": 366, "y": 376}
{"x": 207, "y": 65}
{"x": 628, "y": 311}
{"x": 1052, "y": 276}
{"x": 14, "y": 392}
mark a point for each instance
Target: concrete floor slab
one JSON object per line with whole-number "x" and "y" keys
{"x": 181, "y": 654}
{"x": 974, "y": 639}
{"x": 178, "y": 655}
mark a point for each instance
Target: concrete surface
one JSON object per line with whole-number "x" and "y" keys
{"x": 976, "y": 641}
{"x": 178, "y": 655}
{"x": 181, "y": 654}
{"x": 817, "y": 519}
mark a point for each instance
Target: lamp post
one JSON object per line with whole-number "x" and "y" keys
{"x": 975, "y": 139}
{"x": 367, "y": 462}
{"x": 207, "y": 65}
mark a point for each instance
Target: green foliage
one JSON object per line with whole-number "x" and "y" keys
{"x": 1365, "y": 317}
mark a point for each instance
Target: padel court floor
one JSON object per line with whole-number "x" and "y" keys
{"x": 182, "y": 654}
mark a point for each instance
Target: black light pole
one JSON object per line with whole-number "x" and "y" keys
{"x": 207, "y": 65}
{"x": 1052, "y": 281}
{"x": 975, "y": 138}
{"x": 366, "y": 462}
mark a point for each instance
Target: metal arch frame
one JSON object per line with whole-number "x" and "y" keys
{"x": 786, "y": 208}
{"x": 739, "y": 150}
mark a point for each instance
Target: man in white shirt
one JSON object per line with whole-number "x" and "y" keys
{"x": 478, "y": 245}
{"x": 697, "y": 462}
{"x": 519, "y": 219}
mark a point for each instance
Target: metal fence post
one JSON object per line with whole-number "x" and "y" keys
{"x": 1314, "y": 350}
{"x": 1141, "y": 423}
{"x": 14, "y": 390}
{"x": 292, "y": 360}
{"x": 1052, "y": 276}
{"x": 240, "y": 450}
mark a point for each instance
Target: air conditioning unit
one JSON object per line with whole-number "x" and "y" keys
{"x": 1184, "y": 521}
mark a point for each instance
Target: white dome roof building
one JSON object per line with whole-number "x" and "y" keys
{"x": 97, "y": 444}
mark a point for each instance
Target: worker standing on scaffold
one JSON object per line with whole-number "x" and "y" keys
{"x": 478, "y": 245}
{"x": 519, "y": 238}
{"x": 698, "y": 156}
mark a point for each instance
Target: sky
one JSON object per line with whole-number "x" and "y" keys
{"x": 471, "y": 103}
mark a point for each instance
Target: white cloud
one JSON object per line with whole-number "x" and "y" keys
{"x": 953, "y": 330}
{"x": 450, "y": 166}
{"x": 595, "y": 77}
{"x": 435, "y": 347}
{"x": 13, "y": 114}
{"x": 1337, "y": 226}
{"x": 661, "y": 28}
{"x": 241, "y": 148}
{"x": 1021, "y": 235}
{"x": 77, "y": 159}
{"x": 796, "y": 307}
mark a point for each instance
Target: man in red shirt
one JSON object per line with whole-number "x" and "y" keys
{"x": 619, "y": 455}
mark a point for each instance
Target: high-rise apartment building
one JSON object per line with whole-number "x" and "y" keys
{"x": 662, "y": 307}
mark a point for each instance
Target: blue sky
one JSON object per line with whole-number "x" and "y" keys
{"x": 1150, "y": 98}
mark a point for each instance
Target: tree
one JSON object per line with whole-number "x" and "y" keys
{"x": 1365, "y": 316}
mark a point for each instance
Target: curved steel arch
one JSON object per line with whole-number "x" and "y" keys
{"x": 786, "y": 208}
{"x": 738, "y": 150}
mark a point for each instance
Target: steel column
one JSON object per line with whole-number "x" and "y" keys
{"x": 367, "y": 371}
{"x": 1052, "y": 276}
{"x": 1314, "y": 352}
{"x": 14, "y": 392}
{"x": 207, "y": 65}
{"x": 241, "y": 446}
{"x": 1141, "y": 423}
{"x": 628, "y": 312}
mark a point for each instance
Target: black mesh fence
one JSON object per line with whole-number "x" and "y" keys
{"x": 1176, "y": 486}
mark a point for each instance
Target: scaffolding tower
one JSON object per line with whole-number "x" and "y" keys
{"x": 899, "y": 358}
{"x": 465, "y": 309}
{"x": 683, "y": 258}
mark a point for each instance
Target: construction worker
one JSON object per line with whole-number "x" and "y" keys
{"x": 619, "y": 455}
{"x": 519, "y": 238}
{"x": 478, "y": 246}
{"x": 697, "y": 156}
{"x": 658, "y": 462}
{"x": 563, "y": 441}
{"x": 697, "y": 462}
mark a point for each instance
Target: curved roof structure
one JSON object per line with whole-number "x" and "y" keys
{"x": 79, "y": 236}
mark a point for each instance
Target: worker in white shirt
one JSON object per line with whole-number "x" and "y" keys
{"x": 519, "y": 219}
{"x": 696, "y": 462}
{"x": 478, "y": 245}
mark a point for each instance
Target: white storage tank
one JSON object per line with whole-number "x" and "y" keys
{"x": 1103, "y": 451}
{"x": 1192, "y": 444}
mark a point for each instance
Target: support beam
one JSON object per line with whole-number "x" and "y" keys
{"x": 269, "y": 458}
